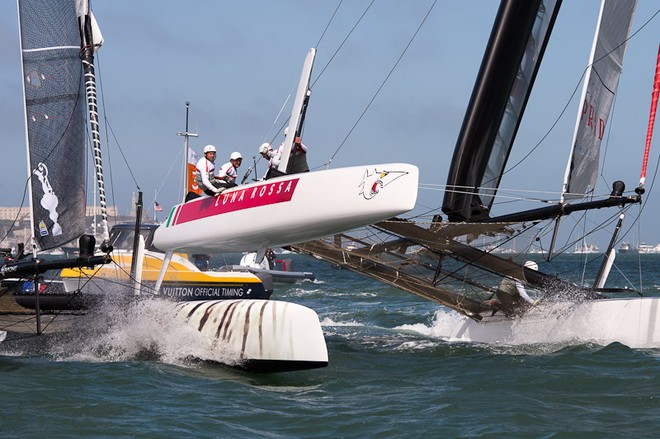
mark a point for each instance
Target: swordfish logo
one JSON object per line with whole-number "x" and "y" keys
{"x": 374, "y": 181}
{"x": 49, "y": 201}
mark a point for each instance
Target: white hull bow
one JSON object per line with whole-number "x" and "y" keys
{"x": 262, "y": 335}
{"x": 634, "y": 322}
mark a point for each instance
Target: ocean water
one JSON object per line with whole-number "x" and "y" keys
{"x": 388, "y": 376}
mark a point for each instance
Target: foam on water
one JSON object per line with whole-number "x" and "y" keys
{"x": 146, "y": 329}
{"x": 547, "y": 327}
{"x": 329, "y": 322}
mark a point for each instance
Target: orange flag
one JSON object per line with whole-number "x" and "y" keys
{"x": 192, "y": 166}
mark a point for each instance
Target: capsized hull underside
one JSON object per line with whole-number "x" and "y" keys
{"x": 290, "y": 209}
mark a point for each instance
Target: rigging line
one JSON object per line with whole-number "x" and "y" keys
{"x": 119, "y": 282}
{"x": 324, "y": 68}
{"x": 639, "y": 257}
{"x": 106, "y": 123}
{"x": 462, "y": 264}
{"x": 18, "y": 213}
{"x": 122, "y": 154}
{"x": 596, "y": 228}
{"x": 607, "y": 141}
{"x": 110, "y": 130}
{"x": 573, "y": 95}
{"x": 552, "y": 127}
{"x": 343, "y": 42}
{"x": 318, "y": 43}
{"x": 384, "y": 81}
{"x": 625, "y": 277}
{"x": 627, "y": 39}
{"x": 169, "y": 171}
{"x": 441, "y": 187}
{"x": 642, "y": 206}
{"x": 268, "y": 134}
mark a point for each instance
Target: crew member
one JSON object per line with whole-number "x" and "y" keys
{"x": 205, "y": 173}
{"x": 297, "y": 159}
{"x": 511, "y": 294}
{"x": 229, "y": 171}
{"x": 273, "y": 157}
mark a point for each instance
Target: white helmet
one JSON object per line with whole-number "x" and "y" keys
{"x": 235, "y": 156}
{"x": 264, "y": 148}
{"x": 209, "y": 148}
{"x": 286, "y": 131}
{"x": 532, "y": 265}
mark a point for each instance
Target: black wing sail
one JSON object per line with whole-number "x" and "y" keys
{"x": 508, "y": 69}
{"x": 55, "y": 114}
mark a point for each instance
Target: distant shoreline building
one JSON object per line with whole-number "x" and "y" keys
{"x": 22, "y": 213}
{"x": 15, "y": 222}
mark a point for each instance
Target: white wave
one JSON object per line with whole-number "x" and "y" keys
{"x": 553, "y": 325}
{"x": 329, "y": 322}
{"x": 144, "y": 329}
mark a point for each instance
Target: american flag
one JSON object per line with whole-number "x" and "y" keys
{"x": 157, "y": 207}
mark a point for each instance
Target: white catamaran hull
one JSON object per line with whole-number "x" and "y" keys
{"x": 290, "y": 209}
{"x": 634, "y": 322}
{"x": 263, "y": 336}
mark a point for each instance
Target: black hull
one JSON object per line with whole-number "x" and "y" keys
{"x": 277, "y": 366}
{"x": 58, "y": 302}
{"x": 53, "y": 296}
{"x": 202, "y": 291}
{"x": 278, "y": 276}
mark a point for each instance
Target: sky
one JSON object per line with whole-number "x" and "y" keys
{"x": 238, "y": 63}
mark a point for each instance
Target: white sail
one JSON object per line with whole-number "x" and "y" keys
{"x": 297, "y": 113}
{"x": 602, "y": 79}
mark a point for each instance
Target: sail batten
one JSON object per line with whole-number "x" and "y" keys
{"x": 45, "y": 49}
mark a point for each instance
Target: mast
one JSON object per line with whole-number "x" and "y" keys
{"x": 91, "y": 40}
{"x": 186, "y": 154}
{"x": 298, "y": 111}
{"x": 33, "y": 242}
{"x": 609, "y": 256}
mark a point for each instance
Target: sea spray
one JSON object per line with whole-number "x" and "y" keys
{"x": 145, "y": 329}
